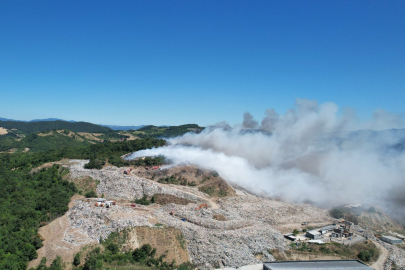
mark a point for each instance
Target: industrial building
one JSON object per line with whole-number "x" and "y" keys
{"x": 313, "y": 235}
{"x": 391, "y": 239}
{"x": 317, "y": 265}
{"x": 319, "y": 233}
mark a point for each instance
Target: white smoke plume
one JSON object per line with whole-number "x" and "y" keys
{"x": 312, "y": 153}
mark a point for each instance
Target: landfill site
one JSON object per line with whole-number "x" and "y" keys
{"x": 230, "y": 231}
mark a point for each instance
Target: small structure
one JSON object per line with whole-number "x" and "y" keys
{"x": 317, "y": 265}
{"x": 103, "y": 202}
{"x": 338, "y": 232}
{"x": 108, "y": 204}
{"x": 391, "y": 239}
{"x": 290, "y": 237}
{"x": 313, "y": 235}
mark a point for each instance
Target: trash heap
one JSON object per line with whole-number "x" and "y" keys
{"x": 396, "y": 255}
{"x": 248, "y": 231}
{"x": 114, "y": 184}
{"x": 98, "y": 222}
{"x": 211, "y": 245}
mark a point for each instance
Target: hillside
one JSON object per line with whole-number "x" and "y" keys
{"x": 12, "y": 141}
{"x": 33, "y": 127}
{"x": 166, "y": 132}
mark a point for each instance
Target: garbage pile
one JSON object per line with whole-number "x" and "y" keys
{"x": 248, "y": 229}
{"x": 98, "y": 222}
{"x": 116, "y": 185}
{"x": 214, "y": 247}
{"x": 396, "y": 255}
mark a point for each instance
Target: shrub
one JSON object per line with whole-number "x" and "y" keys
{"x": 90, "y": 194}
{"x": 76, "y": 259}
{"x": 365, "y": 256}
{"x": 337, "y": 212}
{"x": 144, "y": 200}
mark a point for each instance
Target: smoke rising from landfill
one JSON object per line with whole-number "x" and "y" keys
{"x": 312, "y": 153}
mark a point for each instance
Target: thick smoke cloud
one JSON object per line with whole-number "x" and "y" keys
{"x": 311, "y": 153}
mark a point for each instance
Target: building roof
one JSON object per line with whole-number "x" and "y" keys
{"x": 391, "y": 237}
{"x": 320, "y": 242}
{"x": 307, "y": 265}
{"x": 326, "y": 228}
{"x": 314, "y": 232}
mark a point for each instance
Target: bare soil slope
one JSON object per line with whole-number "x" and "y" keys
{"x": 206, "y": 181}
{"x": 165, "y": 239}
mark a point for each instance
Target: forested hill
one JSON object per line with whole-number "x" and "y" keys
{"x": 33, "y": 127}
{"x": 166, "y": 132}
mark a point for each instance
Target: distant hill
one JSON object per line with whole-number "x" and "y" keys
{"x": 32, "y": 127}
{"x": 166, "y": 131}
{"x": 124, "y": 127}
{"x": 50, "y": 119}
{"x": 6, "y": 119}
{"x": 36, "y": 120}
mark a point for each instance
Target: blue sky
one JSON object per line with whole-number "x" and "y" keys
{"x": 176, "y": 62}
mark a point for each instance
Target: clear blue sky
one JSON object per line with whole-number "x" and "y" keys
{"x": 175, "y": 62}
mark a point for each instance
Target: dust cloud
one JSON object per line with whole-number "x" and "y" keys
{"x": 313, "y": 153}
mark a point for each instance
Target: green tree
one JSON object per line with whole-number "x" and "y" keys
{"x": 76, "y": 259}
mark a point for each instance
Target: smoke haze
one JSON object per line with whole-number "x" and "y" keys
{"x": 312, "y": 153}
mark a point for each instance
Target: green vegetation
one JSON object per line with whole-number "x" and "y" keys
{"x": 295, "y": 232}
{"x": 177, "y": 181}
{"x": 86, "y": 186}
{"x": 144, "y": 200}
{"x": 33, "y": 127}
{"x": 219, "y": 189}
{"x": 112, "y": 257}
{"x": 148, "y": 161}
{"x": 37, "y": 142}
{"x": 367, "y": 255}
{"x": 166, "y": 132}
{"x": 91, "y": 194}
{"x": 96, "y": 152}
{"x": 26, "y": 200}
{"x": 345, "y": 213}
{"x": 365, "y": 251}
{"x": 56, "y": 264}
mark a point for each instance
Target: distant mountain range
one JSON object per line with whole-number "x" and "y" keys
{"x": 124, "y": 127}
{"x": 37, "y": 120}
{"x": 114, "y": 127}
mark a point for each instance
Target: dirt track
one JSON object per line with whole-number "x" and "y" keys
{"x": 379, "y": 264}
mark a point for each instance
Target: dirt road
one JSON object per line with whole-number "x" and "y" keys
{"x": 379, "y": 264}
